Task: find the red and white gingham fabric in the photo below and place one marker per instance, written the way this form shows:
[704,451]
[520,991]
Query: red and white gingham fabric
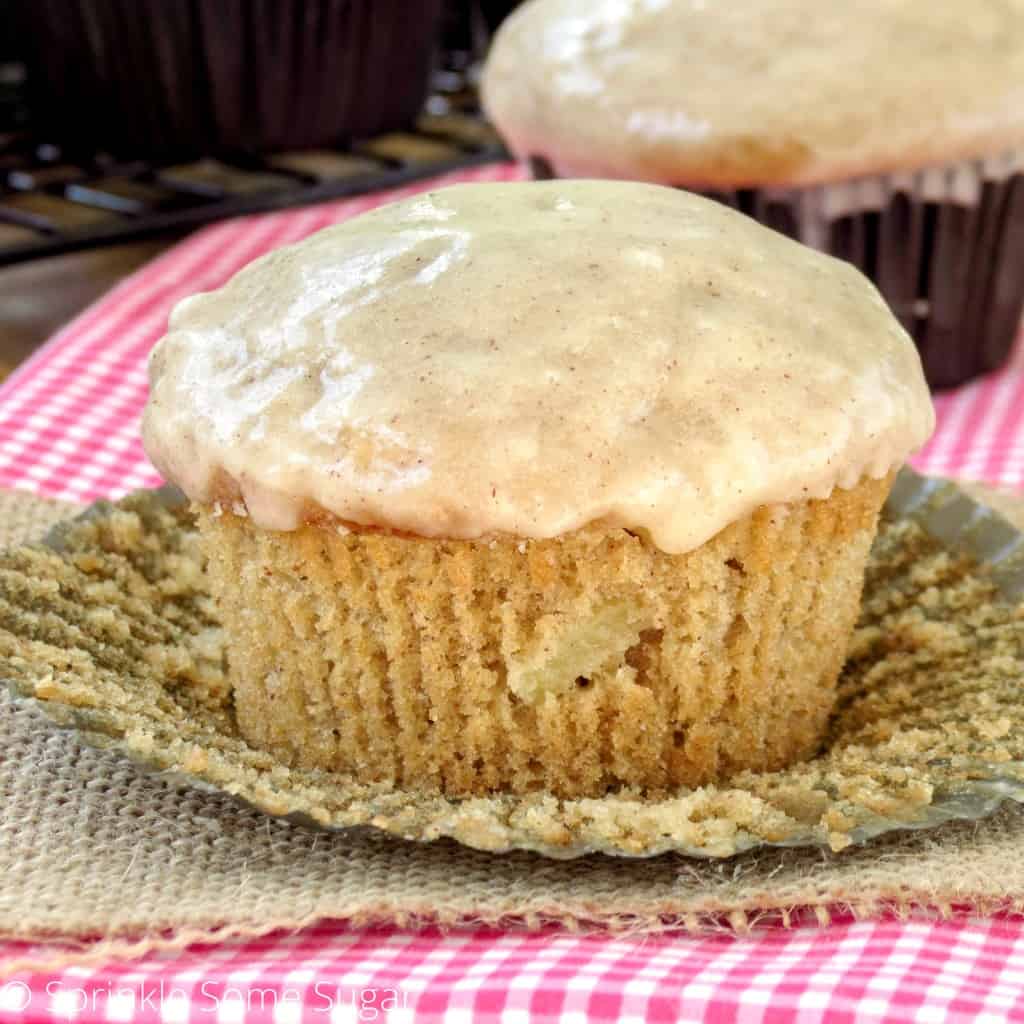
[69,428]
[849,973]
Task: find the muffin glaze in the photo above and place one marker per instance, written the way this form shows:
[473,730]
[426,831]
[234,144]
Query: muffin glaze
[528,359]
[714,94]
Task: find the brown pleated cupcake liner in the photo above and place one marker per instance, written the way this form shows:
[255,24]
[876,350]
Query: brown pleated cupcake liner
[174,78]
[944,247]
[109,627]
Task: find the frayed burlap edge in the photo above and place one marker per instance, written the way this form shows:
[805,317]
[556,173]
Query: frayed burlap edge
[128,867]
[61,953]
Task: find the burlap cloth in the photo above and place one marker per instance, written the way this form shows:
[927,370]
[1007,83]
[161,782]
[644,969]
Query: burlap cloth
[107,861]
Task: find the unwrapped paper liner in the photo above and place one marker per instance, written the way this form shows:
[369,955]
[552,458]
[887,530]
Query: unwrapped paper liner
[109,630]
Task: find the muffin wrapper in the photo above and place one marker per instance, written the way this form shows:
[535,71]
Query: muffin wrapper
[469,25]
[140,673]
[943,246]
[171,78]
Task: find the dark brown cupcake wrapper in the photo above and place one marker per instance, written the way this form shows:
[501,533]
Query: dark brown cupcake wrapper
[469,25]
[174,78]
[946,257]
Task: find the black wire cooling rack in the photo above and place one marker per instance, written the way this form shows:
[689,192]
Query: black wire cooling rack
[54,202]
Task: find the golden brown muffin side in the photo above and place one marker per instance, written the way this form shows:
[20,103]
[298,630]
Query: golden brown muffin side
[573,665]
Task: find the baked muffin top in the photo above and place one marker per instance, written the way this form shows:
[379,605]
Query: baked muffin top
[528,359]
[732,93]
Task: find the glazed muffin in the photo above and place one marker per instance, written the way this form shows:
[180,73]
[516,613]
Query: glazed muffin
[559,486]
[890,134]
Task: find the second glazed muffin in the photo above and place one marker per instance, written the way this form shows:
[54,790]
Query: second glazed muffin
[887,132]
[561,487]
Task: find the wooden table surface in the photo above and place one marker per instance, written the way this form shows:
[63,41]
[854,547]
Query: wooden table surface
[38,297]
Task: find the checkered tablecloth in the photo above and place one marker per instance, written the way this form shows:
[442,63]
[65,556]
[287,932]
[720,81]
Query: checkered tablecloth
[69,428]
[853,973]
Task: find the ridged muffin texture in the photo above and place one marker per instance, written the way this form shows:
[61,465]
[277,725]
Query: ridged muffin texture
[574,665]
